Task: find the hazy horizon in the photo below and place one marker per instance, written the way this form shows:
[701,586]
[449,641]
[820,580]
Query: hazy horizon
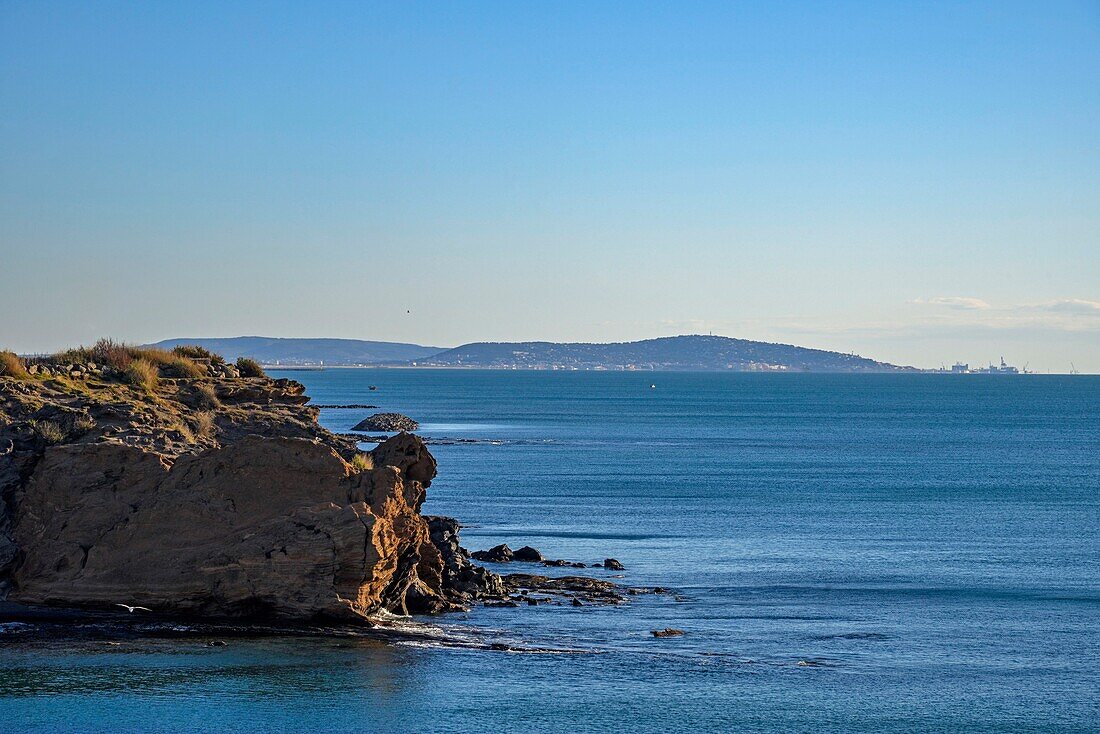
[199,338]
[914,183]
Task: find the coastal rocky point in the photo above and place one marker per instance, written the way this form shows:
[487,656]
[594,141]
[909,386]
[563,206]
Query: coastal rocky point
[193,491]
[168,481]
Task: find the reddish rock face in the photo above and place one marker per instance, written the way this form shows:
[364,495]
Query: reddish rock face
[279,525]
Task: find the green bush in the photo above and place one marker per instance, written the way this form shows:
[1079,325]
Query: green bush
[194,351]
[362,462]
[250,368]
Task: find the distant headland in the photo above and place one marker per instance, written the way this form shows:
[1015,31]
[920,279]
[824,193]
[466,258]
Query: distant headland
[689,352]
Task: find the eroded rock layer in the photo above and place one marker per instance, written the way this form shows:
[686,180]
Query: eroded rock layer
[212,497]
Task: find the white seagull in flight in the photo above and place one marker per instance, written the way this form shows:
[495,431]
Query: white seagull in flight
[131,609]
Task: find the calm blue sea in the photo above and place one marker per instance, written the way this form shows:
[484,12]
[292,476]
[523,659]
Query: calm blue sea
[866,553]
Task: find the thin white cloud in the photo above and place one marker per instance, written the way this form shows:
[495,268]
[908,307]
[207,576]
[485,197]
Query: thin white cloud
[1070,306]
[1063,314]
[963,303]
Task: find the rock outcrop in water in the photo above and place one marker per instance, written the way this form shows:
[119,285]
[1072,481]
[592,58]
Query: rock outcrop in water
[386,422]
[214,497]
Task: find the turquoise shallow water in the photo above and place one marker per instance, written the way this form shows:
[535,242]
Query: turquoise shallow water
[928,543]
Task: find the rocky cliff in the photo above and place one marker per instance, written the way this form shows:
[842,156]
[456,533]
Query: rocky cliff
[208,495]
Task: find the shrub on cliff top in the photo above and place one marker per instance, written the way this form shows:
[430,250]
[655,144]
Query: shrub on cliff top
[120,356]
[111,353]
[250,368]
[12,366]
[106,352]
[194,351]
[141,373]
[172,365]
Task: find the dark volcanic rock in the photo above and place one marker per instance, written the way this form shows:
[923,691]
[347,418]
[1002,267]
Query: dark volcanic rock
[497,554]
[562,563]
[595,591]
[355,406]
[387,422]
[612,564]
[527,553]
[473,582]
[667,632]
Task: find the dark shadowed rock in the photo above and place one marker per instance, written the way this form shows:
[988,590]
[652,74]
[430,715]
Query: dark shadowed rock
[497,554]
[528,554]
[667,632]
[593,591]
[562,563]
[386,422]
[612,564]
[459,575]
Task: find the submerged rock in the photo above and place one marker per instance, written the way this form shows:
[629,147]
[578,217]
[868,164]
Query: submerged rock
[594,591]
[667,632]
[386,422]
[562,563]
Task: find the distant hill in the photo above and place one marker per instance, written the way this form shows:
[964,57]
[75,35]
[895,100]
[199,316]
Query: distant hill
[670,353]
[270,350]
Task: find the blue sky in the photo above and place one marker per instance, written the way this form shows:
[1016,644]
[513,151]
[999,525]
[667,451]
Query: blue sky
[917,182]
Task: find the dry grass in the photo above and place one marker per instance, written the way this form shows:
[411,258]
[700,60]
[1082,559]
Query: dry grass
[111,353]
[203,424]
[202,396]
[362,462]
[120,356]
[184,430]
[50,431]
[82,424]
[12,366]
[142,373]
[172,365]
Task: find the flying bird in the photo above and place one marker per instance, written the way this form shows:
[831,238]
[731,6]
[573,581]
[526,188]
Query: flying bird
[131,609]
